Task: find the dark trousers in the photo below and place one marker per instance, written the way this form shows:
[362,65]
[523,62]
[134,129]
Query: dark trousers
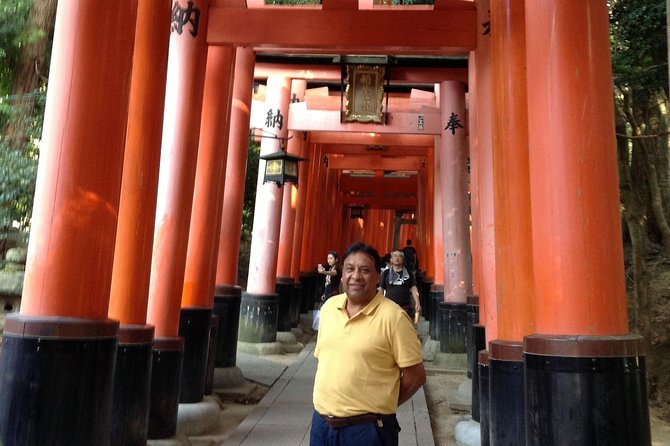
[365,434]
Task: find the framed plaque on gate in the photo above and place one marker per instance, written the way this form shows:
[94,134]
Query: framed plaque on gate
[364,93]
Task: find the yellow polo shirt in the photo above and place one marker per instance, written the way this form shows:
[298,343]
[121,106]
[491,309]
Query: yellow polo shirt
[360,358]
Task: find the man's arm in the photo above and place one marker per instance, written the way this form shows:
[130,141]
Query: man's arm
[417,301]
[411,379]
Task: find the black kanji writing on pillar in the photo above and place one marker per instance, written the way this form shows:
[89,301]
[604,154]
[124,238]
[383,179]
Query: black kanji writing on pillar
[183,16]
[487,26]
[454,124]
[272,120]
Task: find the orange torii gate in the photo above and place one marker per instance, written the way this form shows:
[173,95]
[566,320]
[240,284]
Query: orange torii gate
[547,261]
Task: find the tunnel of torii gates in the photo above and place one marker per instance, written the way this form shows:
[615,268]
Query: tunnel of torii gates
[495,155]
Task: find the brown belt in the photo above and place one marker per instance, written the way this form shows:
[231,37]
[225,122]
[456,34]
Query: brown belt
[338,422]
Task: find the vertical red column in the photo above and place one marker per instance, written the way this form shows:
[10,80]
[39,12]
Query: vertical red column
[198,293]
[482,145]
[259,307]
[69,266]
[289,298]
[236,168]
[581,314]
[202,253]
[304,180]
[134,234]
[514,262]
[475,211]
[455,208]
[436,294]
[483,213]
[227,295]
[187,60]
[318,168]
[455,218]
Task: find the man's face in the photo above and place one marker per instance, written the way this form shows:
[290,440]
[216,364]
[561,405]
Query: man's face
[360,277]
[397,259]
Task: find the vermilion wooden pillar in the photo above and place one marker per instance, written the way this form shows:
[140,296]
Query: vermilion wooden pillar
[289,300]
[481,165]
[481,144]
[428,190]
[134,234]
[436,295]
[62,338]
[203,242]
[236,168]
[514,261]
[181,126]
[585,374]
[307,259]
[305,181]
[258,314]
[455,217]
[227,293]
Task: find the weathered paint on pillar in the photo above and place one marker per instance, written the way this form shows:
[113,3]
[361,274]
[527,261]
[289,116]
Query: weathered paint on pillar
[438,243]
[513,229]
[137,207]
[577,246]
[267,213]
[475,212]
[71,249]
[181,126]
[290,199]
[236,168]
[206,214]
[482,145]
[455,204]
[426,216]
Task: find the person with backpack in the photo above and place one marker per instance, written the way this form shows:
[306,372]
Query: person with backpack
[411,258]
[399,284]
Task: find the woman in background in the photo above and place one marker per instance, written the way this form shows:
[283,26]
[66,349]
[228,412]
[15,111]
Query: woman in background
[333,273]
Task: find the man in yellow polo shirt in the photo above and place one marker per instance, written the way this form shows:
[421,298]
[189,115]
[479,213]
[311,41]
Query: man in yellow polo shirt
[369,360]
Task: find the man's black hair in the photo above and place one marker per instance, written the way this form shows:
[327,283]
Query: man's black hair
[365,249]
[409,241]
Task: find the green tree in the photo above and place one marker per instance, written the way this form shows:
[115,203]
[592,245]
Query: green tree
[25,40]
[639,60]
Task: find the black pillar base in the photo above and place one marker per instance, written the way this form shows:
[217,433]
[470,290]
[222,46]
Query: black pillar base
[479,340]
[132,381]
[436,296]
[296,299]
[484,397]
[424,297]
[308,282]
[472,318]
[211,353]
[194,327]
[258,318]
[452,326]
[506,399]
[56,381]
[284,289]
[165,385]
[227,300]
[586,390]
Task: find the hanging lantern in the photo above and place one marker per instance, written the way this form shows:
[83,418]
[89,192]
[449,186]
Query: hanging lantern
[280,168]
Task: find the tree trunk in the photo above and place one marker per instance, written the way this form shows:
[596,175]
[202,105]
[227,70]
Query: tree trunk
[634,213]
[30,74]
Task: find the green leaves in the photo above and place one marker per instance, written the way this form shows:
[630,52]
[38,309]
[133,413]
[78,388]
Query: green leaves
[639,43]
